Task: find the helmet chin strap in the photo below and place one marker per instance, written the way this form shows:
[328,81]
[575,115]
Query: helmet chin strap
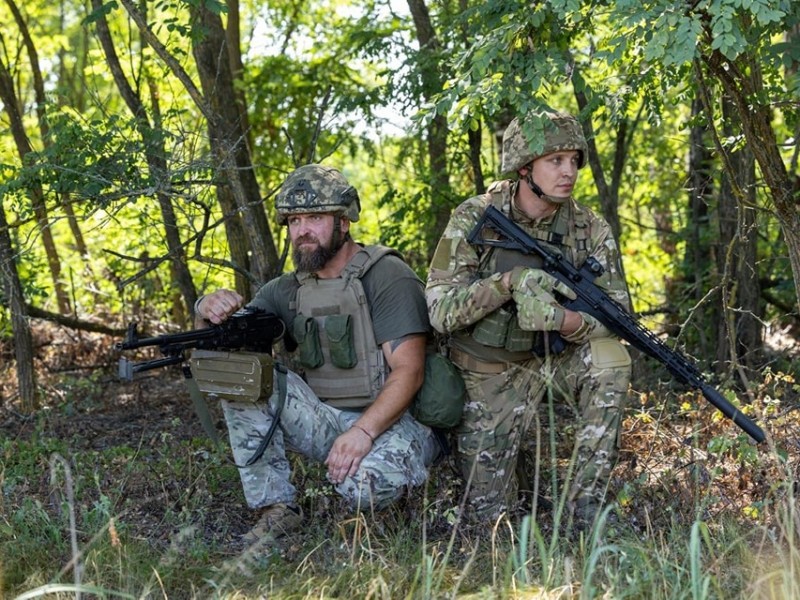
[539,192]
[338,239]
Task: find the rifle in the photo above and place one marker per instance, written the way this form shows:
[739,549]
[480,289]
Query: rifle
[594,301]
[248,328]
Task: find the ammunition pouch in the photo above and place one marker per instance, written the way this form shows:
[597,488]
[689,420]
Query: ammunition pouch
[234,376]
[309,349]
[500,329]
[339,329]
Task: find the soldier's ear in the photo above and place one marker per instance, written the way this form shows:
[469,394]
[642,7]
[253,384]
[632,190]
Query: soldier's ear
[344,224]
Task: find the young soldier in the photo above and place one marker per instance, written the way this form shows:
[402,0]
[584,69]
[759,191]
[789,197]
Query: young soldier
[359,316]
[499,312]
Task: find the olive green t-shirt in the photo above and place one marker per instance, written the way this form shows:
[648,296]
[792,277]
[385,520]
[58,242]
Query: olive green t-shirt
[395,296]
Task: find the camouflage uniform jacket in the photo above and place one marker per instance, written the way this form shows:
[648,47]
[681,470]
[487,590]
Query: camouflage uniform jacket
[464,282]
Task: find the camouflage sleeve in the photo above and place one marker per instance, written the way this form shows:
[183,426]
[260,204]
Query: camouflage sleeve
[605,250]
[456,296]
[612,282]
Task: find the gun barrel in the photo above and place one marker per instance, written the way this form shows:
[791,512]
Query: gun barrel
[733,413]
[173,338]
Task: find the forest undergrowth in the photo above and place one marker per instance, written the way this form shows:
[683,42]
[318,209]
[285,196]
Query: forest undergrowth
[113,489]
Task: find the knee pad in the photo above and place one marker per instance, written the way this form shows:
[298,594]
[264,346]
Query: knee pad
[609,353]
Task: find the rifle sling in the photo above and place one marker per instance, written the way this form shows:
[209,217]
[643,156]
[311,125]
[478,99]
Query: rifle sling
[200,406]
[280,370]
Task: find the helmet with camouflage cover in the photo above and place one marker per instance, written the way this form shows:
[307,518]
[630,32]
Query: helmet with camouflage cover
[317,189]
[562,133]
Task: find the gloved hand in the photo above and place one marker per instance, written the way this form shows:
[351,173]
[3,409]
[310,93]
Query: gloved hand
[533,292]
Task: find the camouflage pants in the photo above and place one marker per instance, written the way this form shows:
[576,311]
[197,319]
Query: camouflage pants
[593,378]
[398,459]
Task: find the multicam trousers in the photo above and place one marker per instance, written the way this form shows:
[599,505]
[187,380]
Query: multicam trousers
[593,378]
[398,460]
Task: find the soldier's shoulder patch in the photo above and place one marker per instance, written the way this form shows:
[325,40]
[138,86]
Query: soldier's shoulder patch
[444,250]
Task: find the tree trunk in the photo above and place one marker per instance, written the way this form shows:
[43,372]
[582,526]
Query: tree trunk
[228,139]
[23,344]
[234,38]
[608,194]
[154,153]
[237,242]
[739,339]
[441,197]
[35,192]
[697,259]
[218,106]
[741,81]
[44,130]
[474,139]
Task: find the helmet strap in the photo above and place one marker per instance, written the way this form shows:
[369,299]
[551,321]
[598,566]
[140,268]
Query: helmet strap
[532,184]
[540,192]
[338,239]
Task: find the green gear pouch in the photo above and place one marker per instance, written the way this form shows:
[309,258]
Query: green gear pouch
[492,330]
[339,329]
[309,351]
[235,376]
[440,401]
[518,339]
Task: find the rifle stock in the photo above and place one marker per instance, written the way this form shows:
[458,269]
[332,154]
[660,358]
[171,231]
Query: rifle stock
[593,300]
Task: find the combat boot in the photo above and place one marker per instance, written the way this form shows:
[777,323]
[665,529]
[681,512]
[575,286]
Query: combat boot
[277,521]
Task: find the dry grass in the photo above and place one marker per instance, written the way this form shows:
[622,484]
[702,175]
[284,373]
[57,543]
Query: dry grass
[697,510]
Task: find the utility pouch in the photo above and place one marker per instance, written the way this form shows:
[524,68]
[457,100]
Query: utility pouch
[492,330]
[309,351]
[339,329]
[235,376]
[518,339]
[440,401]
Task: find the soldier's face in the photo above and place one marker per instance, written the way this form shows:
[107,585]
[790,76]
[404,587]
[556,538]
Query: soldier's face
[312,237]
[556,173]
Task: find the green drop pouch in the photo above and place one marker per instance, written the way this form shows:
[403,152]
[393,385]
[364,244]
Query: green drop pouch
[309,351]
[492,330]
[518,339]
[339,329]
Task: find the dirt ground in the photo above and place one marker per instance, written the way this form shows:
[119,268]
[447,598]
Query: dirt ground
[89,414]
[665,470]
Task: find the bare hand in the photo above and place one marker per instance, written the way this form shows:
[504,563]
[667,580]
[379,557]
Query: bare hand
[219,305]
[346,454]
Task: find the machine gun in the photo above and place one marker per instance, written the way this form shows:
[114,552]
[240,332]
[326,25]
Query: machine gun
[250,329]
[594,301]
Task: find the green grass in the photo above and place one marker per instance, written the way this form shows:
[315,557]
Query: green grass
[159,515]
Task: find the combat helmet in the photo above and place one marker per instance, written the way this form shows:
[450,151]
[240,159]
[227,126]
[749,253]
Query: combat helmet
[315,188]
[562,133]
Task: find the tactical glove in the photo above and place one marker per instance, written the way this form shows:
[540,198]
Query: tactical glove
[533,292]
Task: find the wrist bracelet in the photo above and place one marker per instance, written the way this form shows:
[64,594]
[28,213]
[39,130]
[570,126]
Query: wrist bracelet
[367,433]
[197,304]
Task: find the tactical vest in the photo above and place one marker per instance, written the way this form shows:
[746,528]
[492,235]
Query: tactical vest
[498,337]
[343,364]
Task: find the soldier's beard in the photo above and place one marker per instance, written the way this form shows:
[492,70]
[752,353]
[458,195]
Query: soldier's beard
[311,261]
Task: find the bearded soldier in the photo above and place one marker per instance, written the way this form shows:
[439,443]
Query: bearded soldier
[359,317]
[500,315]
